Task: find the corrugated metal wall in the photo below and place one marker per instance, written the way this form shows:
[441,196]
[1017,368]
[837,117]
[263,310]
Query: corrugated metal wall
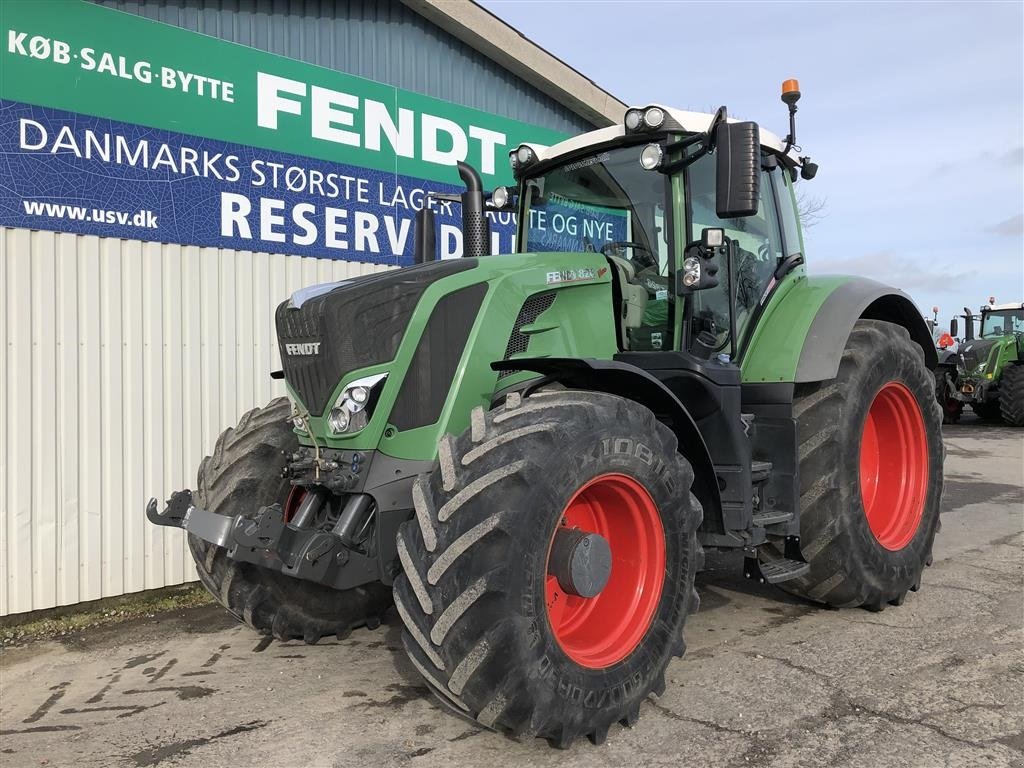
[378,39]
[122,361]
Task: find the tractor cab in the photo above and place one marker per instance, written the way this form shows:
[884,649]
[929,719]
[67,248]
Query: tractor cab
[648,196]
[696,216]
[1001,320]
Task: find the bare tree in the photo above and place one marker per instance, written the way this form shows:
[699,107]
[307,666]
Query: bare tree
[812,209]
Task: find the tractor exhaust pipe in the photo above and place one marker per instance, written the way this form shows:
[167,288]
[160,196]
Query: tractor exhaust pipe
[476,229]
[424,239]
[968,324]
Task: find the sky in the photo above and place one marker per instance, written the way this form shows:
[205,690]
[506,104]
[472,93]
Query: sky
[913,111]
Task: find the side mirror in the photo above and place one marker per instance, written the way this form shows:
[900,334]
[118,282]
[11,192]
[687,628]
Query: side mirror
[738,148]
[954,327]
[424,239]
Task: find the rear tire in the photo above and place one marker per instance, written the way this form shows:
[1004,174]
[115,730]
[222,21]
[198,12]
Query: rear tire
[481,622]
[856,561]
[1011,395]
[243,475]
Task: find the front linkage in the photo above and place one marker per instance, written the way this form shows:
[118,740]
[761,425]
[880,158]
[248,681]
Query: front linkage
[266,539]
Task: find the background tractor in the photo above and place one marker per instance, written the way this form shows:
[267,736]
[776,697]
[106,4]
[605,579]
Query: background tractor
[990,374]
[530,452]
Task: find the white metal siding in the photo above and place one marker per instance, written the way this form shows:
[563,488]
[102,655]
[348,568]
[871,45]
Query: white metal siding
[122,361]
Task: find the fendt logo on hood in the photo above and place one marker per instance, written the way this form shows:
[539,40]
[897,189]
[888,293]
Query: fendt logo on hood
[309,348]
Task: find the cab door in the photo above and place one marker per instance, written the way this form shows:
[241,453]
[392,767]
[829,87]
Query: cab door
[760,249]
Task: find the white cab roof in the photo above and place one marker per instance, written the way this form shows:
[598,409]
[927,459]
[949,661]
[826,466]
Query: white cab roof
[692,122]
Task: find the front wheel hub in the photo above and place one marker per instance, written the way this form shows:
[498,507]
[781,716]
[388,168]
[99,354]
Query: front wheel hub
[605,570]
[581,561]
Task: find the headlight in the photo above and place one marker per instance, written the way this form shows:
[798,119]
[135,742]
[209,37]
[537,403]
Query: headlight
[651,156]
[654,117]
[354,406]
[524,155]
[633,118]
[338,420]
[359,395]
[691,272]
[499,197]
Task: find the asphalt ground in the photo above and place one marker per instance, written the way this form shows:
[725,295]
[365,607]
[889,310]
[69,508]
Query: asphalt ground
[767,681]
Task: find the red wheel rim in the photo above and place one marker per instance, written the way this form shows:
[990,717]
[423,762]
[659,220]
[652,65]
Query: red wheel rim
[894,466]
[600,631]
[291,504]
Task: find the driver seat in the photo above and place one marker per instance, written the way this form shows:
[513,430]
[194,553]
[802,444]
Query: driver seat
[634,297]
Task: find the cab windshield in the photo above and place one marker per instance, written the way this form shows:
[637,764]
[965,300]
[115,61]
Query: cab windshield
[605,202]
[1002,322]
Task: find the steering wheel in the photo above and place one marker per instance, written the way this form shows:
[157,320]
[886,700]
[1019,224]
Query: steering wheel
[642,258]
[619,245]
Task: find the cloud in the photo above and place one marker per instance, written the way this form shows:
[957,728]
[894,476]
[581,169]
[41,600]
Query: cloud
[984,159]
[1011,227]
[900,271]
[1013,157]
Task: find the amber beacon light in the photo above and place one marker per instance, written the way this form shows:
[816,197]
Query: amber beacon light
[791,91]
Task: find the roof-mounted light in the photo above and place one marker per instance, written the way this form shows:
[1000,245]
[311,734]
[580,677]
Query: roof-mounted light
[654,117]
[652,156]
[640,119]
[791,92]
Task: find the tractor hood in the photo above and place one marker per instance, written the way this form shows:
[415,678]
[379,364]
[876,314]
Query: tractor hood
[325,332]
[976,353]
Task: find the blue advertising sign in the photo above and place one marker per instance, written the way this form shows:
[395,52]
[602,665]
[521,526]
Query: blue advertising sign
[96,176]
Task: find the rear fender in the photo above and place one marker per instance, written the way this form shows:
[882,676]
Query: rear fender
[632,383]
[857,299]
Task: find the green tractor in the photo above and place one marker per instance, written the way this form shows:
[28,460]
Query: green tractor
[990,375]
[528,454]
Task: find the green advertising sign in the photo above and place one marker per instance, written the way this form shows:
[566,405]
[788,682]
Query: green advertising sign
[80,57]
[118,126]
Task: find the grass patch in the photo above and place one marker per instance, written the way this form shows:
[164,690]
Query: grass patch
[67,620]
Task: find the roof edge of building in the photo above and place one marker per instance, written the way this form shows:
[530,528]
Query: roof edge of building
[477,27]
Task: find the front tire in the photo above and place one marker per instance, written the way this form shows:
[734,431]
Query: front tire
[1011,395]
[952,408]
[871,454]
[243,475]
[495,637]
[989,411]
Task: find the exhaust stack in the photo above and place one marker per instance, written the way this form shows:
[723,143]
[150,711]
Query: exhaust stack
[476,229]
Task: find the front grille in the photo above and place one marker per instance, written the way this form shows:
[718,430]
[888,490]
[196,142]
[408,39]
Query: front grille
[519,342]
[437,355]
[975,352]
[971,360]
[358,324]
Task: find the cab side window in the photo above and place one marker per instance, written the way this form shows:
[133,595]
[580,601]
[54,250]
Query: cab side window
[784,197]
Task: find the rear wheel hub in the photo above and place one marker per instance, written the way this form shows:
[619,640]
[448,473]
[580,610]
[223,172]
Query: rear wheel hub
[894,466]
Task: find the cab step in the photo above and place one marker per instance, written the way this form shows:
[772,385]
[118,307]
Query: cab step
[771,517]
[774,572]
[760,471]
